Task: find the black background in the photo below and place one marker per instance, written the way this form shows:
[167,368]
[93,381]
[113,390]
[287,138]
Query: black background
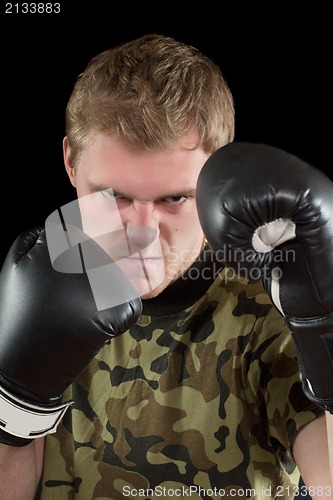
[277,64]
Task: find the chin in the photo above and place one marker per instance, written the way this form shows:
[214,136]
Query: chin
[166,282]
[162,286]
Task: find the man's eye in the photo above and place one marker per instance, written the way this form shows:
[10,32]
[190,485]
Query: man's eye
[110,194]
[175,200]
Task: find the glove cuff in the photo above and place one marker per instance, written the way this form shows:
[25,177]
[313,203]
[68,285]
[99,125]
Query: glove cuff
[314,340]
[25,420]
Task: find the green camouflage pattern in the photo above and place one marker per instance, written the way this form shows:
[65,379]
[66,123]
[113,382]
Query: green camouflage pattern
[201,403]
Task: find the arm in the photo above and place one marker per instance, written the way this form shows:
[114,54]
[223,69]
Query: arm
[270,217]
[50,329]
[20,470]
[311,449]
[329,427]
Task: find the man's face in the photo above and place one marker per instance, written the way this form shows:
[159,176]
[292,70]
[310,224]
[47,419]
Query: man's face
[142,210]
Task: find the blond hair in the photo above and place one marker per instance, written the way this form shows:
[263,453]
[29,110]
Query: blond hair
[151,92]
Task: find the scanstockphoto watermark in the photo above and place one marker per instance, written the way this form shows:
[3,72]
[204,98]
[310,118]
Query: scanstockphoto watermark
[186,492]
[247,263]
[279,491]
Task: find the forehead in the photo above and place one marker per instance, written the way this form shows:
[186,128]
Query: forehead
[108,163]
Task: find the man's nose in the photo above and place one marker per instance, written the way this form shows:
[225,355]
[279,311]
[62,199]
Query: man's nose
[143,213]
[142,226]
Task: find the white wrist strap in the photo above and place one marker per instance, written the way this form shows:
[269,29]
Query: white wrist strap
[26,420]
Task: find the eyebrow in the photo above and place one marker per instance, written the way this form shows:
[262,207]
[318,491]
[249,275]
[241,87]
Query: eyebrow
[97,187]
[190,192]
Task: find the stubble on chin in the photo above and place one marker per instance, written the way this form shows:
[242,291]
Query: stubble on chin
[168,281]
[173,276]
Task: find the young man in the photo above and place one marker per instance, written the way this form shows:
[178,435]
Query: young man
[201,395]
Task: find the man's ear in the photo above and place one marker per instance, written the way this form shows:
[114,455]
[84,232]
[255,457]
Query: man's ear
[68,161]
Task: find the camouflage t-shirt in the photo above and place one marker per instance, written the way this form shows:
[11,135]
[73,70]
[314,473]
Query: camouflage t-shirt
[200,399]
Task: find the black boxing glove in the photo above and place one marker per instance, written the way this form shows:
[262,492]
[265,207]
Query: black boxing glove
[50,329]
[269,216]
